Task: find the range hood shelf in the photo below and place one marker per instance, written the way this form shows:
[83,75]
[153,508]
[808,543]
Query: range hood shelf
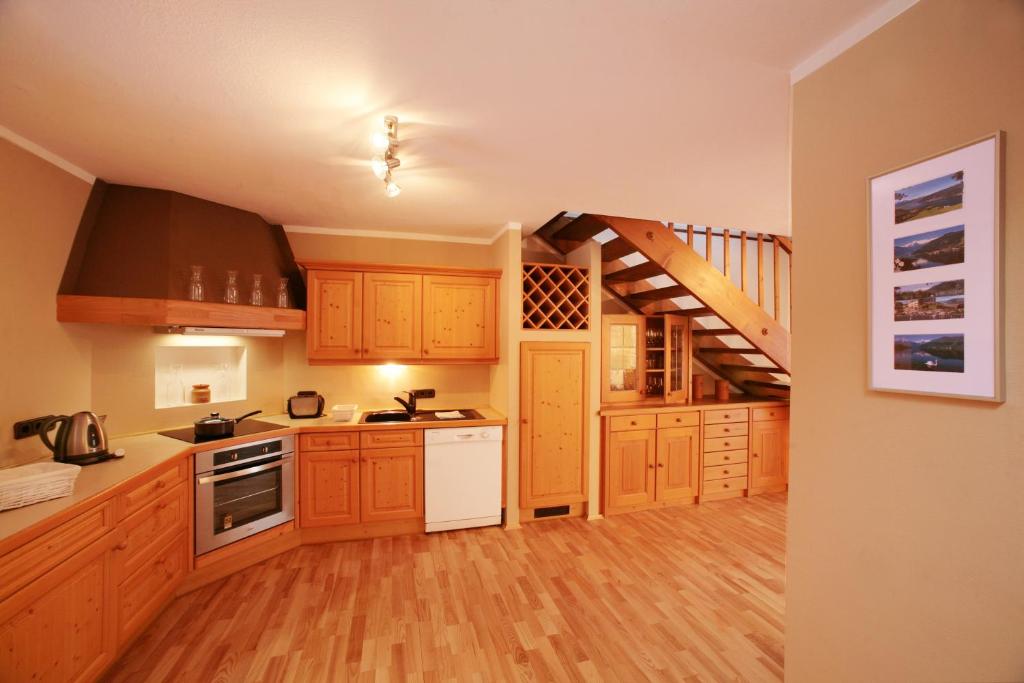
[72,308]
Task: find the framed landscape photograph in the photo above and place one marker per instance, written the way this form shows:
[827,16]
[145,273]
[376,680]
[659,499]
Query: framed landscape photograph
[935,304]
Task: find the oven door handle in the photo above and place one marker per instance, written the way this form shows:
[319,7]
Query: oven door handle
[241,473]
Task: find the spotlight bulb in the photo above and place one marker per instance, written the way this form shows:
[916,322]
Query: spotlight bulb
[380,141]
[391,189]
[380,167]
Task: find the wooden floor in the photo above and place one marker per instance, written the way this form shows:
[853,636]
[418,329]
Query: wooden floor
[690,593]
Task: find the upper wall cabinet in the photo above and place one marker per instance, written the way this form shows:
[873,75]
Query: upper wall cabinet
[459,317]
[368,313]
[392,315]
[335,331]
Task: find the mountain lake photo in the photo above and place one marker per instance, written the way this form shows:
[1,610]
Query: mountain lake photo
[930,198]
[929,301]
[941,247]
[929,352]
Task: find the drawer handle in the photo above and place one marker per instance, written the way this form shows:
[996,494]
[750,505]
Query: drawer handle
[725,486]
[632,423]
[679,419]
[160,484]
[726,430]
[123,545]
[726,443]
[725,471]
[726,457]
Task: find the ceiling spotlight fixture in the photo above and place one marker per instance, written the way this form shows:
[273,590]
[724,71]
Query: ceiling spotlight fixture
[386,142]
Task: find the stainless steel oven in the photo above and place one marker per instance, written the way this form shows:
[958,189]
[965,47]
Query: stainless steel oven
[242,490]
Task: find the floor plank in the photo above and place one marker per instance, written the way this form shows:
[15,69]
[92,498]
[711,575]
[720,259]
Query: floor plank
[686,593]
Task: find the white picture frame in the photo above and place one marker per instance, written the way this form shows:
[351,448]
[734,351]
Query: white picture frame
[935,280]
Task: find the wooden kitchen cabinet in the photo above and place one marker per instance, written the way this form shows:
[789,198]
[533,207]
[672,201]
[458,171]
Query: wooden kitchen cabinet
[554,393]
[329,488]
[142,595]
[630,468]
[622,358]
[334,319]
[392,316]
[62,627]
[460,317]
[363,312]
[769,456]
[391,483]
[678,464]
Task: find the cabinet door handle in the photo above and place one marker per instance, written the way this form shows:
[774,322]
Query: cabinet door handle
[661,464]
[755,455]
[650,467]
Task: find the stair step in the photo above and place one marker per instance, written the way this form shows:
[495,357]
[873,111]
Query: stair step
[767,385]
[660,294]
[695,312]
[635,273]
[615,249]
[579,229]
[723,332]
[751,368]
[719,352]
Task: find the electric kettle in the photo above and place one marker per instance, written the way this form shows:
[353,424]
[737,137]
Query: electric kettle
[80,438]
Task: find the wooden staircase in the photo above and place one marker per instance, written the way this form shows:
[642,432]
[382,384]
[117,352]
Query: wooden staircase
[653,268]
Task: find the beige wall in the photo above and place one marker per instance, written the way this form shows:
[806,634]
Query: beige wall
[906,521]
[44,367]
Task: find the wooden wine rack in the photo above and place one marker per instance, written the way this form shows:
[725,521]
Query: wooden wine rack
[555,297]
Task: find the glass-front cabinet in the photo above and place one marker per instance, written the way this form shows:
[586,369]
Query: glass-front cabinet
[645,357]
[621,362]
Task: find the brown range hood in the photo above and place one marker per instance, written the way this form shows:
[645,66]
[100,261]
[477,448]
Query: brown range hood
[132,256]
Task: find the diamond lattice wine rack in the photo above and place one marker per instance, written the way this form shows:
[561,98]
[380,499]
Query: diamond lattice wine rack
[555,297]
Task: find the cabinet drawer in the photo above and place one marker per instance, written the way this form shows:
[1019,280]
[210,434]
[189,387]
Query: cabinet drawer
[727,429]
[623,423]
[713,417]
[724,485]
[687,419]
[130,502]
[151,527]
[391,438]
[777,413]
[726,443]
[40,555]
[143,593]
[725,471]
[329,441]
[724,458]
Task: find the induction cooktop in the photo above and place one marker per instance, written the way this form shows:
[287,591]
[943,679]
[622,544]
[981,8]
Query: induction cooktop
[243,428]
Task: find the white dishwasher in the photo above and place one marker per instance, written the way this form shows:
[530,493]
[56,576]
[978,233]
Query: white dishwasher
[462,477]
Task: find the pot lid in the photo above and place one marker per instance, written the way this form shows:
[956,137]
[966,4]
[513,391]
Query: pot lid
[213,418]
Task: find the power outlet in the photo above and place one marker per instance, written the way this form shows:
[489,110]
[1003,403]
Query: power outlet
[31,427]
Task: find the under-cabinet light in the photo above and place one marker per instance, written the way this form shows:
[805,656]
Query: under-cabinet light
[220,331]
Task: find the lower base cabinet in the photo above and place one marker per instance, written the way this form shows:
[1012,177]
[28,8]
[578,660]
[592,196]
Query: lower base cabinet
[360,478]
[630,468]
[678,470]
[143,594]
[329,488]
[62,627]
[769,455]
[392,483]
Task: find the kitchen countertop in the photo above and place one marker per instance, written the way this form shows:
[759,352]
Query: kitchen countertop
[642,407]
[143,452]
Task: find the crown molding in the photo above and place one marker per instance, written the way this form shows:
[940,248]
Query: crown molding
[46,155]
[850,37]
[415,236]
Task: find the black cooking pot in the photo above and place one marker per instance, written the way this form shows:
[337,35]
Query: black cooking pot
[214,425]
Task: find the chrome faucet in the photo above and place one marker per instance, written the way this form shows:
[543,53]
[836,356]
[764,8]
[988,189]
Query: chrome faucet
[410,405]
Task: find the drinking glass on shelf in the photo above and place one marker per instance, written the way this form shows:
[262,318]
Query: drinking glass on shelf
[196,288]
[282,293]
[256,295]
[231,288]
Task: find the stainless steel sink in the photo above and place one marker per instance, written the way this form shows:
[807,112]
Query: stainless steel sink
[384,416]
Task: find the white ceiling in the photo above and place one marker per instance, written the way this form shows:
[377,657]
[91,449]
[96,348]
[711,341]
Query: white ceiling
[509,110]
